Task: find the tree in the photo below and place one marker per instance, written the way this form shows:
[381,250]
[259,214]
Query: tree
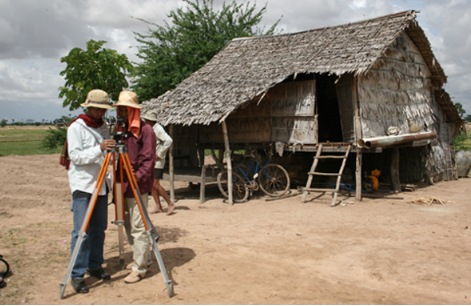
[171,53]
[460,109]
[94,68]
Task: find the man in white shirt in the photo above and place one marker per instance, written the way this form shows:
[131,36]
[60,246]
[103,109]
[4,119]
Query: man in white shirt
[87,142]
[164,141]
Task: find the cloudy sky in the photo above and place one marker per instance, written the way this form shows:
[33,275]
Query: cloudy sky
[35,34]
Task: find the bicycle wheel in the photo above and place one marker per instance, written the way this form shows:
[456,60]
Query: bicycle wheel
[240,192]
[274,180]
[4,269]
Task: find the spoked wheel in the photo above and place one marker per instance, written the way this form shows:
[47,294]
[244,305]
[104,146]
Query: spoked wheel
[4,269]
[274,180]
[240,192]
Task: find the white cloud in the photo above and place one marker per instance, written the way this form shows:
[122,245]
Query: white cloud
[36,34]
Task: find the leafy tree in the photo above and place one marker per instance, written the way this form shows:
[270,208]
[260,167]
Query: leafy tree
[170,53]
[3,122]
[94,68]
[460,109]
[468,118]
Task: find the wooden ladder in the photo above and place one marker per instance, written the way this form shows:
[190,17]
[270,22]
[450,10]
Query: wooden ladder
[313,172]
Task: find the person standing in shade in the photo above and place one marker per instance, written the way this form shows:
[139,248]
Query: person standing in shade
[164,141]
[83,156]
[141,141]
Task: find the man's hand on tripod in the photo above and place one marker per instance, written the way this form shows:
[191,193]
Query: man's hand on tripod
[107,144]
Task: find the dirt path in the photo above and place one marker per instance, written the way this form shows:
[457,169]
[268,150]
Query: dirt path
[377,251]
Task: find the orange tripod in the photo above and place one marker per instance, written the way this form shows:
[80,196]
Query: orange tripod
[119,157]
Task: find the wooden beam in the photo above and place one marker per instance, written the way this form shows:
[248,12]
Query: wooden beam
[395,181]
[359,162]
[229,163]
[170,165]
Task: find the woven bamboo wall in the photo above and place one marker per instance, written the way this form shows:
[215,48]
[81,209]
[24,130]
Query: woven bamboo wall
[250,123]
[394,90]
[184,146]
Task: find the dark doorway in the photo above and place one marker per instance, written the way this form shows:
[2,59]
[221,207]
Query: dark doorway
[330,128]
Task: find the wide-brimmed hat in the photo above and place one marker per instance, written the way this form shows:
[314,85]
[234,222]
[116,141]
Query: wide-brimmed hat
[97,98]
[151,116]
[127,98]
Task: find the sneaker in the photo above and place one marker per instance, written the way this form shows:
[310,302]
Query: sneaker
[99,273]
[134,277]
[79,285]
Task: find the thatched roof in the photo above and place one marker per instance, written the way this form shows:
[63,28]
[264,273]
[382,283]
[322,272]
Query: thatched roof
[449,109]
[248,67]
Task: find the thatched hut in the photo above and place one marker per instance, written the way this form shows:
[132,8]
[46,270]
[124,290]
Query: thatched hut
[361,84]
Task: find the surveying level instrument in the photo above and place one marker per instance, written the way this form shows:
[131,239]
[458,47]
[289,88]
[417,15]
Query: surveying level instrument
[118,155]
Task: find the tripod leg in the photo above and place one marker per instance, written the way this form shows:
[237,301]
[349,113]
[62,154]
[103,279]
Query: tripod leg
[121,246]
[160,261]
[81,235]
[150,229]
[83,229]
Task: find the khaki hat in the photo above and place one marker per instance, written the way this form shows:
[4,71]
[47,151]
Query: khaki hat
[97,98]
[151,116]
[127,98]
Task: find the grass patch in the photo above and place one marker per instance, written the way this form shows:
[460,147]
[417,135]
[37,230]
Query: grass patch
[24,141]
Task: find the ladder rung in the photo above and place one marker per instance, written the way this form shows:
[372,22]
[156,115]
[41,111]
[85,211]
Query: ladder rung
[330,156]
[320,189]
[323,173]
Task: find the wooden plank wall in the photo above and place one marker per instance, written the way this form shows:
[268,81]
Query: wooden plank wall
[285,114]
[292,111]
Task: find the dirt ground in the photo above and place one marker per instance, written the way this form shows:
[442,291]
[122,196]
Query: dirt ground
[375,251]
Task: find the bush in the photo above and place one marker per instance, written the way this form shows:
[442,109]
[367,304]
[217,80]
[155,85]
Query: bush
[3,123]
[461,142]
[55,138]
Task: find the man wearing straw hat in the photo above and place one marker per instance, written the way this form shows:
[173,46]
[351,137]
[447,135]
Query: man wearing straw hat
[164,141]
[83,155]
[141,142]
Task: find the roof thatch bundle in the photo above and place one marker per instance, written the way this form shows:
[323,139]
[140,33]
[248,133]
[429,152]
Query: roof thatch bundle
[248,67]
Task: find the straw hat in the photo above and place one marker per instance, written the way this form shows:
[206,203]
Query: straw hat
[97,98]
[151,116]
[127,98]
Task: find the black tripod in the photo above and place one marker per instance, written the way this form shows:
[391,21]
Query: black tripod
[120,157]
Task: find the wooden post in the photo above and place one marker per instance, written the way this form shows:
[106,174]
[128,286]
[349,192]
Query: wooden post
[170,165]
[229,163]
[358,135]
[395,181]
[358,194]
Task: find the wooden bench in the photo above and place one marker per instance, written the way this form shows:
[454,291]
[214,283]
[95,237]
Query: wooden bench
[201,175]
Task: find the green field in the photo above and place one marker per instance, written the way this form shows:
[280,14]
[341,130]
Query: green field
[27,140]
[24,141]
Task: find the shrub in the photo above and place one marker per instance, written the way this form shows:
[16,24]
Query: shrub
[55,138]
[461,142]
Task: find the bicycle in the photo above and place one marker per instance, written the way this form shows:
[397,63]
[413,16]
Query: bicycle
[253,174]
[4,269]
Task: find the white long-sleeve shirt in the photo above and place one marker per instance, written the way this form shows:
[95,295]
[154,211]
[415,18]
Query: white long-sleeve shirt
[164,141]
[86,157]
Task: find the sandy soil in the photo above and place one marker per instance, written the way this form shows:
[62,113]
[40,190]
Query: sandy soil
[375,251]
